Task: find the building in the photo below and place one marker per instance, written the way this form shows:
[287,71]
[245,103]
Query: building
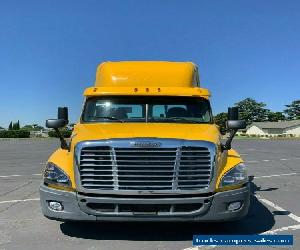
[269,129]
[43,133]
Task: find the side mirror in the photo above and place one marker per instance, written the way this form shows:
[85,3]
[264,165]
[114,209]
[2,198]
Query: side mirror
[61,121]
[55,123]
[233,113]
[63,113]
[236,124]
[233,124]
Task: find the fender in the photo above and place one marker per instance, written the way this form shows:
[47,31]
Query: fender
[64,160]
[228,160]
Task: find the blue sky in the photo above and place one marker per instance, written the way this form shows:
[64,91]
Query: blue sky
[49,50]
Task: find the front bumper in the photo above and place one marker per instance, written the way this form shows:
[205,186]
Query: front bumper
[211,208]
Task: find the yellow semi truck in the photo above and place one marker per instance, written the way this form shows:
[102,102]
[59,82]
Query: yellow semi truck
[145,149]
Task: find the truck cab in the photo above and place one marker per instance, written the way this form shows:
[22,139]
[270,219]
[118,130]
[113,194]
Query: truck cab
[145,149]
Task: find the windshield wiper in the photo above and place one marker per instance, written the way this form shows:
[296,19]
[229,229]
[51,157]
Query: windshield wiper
[176,119]
[182,119]
[108,118]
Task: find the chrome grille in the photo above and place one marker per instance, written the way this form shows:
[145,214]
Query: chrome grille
[116,168]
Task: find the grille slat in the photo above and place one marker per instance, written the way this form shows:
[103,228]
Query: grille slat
[140,171]
[183,168]
[143,176]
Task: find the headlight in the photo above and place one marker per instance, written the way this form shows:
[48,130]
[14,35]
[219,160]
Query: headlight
[235,176]
[54,175]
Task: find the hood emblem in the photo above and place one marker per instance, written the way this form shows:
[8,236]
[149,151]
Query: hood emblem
[145,144]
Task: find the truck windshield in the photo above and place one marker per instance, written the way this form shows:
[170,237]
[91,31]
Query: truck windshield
[168,109]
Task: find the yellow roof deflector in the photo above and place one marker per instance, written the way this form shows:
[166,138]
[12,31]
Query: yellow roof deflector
[147,78]
[147,73]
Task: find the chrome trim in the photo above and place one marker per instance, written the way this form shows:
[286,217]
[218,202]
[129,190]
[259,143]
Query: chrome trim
[165,143]
[176,168]
[114,168]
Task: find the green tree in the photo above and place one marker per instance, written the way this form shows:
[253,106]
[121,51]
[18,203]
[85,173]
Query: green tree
[65,133]
[33,127]
[220,119]
[293,110]
[38,128]
[16,126]
[10,126]
[27,128]
[252,111]
[276,116]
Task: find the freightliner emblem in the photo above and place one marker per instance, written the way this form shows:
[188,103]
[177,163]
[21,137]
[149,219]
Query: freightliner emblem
[145,144]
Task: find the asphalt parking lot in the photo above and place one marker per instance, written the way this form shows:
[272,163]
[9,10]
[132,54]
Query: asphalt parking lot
[273,166]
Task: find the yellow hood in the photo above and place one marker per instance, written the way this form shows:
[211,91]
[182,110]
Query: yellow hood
[100,131]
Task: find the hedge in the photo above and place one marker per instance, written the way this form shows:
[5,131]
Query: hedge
[14,134]
[65,133]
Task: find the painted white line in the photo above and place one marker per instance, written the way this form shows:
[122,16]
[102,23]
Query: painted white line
[7,176]
[282,229]
[14,201]
[275,231]
[274,175]
[198,247]
[266,160]
[278,208]
[17,175]
[283,159]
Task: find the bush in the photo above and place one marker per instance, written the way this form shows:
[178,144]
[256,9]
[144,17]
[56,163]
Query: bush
[65,133]
[14,134]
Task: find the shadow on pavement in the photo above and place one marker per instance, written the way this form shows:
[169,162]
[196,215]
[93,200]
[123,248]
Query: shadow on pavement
[258,220]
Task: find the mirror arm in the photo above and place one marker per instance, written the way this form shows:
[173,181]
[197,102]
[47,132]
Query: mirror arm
[63,143]
[227,144]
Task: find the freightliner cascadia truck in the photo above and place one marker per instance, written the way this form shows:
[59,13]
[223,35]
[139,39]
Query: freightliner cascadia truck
[145,149]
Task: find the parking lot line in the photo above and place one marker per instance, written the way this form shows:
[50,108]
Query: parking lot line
[198,247]
[274,175]
[278,208]
[14,201]
[275,231]
[282,229]
[17,175]
[7,176]
[268,160]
